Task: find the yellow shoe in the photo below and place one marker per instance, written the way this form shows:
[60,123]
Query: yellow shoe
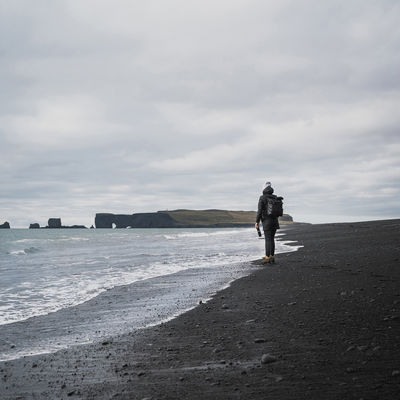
[265,260]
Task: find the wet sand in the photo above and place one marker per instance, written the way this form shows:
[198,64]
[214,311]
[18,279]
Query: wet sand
[321,323]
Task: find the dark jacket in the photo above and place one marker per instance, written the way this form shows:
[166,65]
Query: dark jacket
[268,222]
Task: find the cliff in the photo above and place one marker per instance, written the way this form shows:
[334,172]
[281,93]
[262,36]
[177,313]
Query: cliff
[54,223]
[142,220]
[181,219]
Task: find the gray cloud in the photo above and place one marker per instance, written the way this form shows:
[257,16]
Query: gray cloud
[130,106]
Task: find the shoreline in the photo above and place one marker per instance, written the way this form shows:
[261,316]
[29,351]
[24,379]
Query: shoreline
[327,313]
[118,310]
[141,304]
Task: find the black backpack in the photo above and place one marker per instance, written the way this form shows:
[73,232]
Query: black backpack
[274,207]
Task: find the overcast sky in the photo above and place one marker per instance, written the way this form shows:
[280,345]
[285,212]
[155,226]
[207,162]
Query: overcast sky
[131,106]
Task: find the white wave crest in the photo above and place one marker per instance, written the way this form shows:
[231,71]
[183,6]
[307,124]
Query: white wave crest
[24,252]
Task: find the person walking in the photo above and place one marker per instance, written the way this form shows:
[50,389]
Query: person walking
[269,219]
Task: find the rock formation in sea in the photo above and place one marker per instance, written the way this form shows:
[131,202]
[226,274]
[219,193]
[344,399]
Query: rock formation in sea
[54,223]
[6,225]
[181,219]
[35,225]
[142,220]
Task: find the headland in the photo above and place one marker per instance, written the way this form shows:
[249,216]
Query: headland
[182,219]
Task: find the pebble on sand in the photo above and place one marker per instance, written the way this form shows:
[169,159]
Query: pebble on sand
[268,359]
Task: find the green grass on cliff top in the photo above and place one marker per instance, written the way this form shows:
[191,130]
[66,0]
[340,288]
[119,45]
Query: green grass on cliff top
[212,217]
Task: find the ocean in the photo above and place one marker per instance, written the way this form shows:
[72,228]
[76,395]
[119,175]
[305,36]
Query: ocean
[65,287]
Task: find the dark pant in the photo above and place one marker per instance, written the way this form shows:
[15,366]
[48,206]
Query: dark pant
[269,235]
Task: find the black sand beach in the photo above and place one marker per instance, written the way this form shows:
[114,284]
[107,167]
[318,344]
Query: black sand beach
[321,323]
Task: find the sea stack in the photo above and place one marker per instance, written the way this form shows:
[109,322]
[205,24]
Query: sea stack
[6,225]
[34,226]
[54,223]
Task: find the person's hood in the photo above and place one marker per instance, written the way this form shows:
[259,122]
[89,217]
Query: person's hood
[268,190]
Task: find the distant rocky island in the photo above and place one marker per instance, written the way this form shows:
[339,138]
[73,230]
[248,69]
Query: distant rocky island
[182,219]
[55,223]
